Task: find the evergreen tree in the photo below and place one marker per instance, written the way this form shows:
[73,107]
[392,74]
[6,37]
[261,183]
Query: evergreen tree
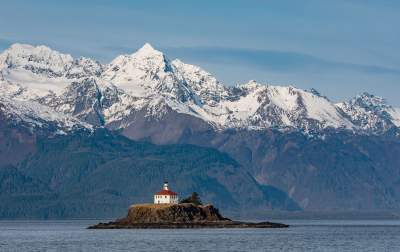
[194,199]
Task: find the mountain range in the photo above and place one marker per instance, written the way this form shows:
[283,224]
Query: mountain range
[292,148]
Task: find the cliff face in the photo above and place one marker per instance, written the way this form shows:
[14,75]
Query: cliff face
[169,213]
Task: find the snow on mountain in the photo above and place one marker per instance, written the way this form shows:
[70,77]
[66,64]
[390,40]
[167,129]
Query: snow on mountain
[85,99]
[264,106]
[40,59]
[202,83]
[32,75]
[148,81]
[145,73]
[371,113]
[17,108]
[35,115]
[34,68]
[395,114]
[149,73]
[83,68]
[42,71]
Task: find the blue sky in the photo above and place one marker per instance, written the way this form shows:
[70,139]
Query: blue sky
[341,47]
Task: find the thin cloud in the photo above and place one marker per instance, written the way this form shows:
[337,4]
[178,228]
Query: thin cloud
[277,61]
[282,61]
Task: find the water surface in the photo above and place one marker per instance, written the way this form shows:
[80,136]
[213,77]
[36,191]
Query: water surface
[303,235]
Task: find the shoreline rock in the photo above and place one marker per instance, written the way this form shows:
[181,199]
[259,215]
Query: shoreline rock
[174,216]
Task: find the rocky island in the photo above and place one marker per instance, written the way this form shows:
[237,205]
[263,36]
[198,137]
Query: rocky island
[183,215]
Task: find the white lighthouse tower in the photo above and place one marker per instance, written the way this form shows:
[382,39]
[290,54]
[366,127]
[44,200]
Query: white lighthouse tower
[166,196]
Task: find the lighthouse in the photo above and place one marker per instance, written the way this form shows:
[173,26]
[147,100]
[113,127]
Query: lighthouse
[166,196]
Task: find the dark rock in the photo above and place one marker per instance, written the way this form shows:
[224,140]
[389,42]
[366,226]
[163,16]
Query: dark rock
[185,215]
[165,213]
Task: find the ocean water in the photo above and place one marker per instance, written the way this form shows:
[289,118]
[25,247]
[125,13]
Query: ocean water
[303,235]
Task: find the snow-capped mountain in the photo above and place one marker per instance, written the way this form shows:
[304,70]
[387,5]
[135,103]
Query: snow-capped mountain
[321,154]
[85,99]
[371,113]
[145,73]
[33,115]
[148,83]
[40,71]
[263,106]
[29,76]
[202,83]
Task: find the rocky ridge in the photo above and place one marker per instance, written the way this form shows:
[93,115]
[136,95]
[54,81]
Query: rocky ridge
[147,82]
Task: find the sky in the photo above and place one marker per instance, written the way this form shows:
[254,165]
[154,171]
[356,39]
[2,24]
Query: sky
[341,48]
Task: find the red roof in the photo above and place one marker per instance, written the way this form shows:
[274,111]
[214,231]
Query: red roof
[166,192]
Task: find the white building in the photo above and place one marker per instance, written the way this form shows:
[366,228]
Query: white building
[165,196]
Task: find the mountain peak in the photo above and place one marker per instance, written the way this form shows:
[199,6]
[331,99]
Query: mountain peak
[371,113]
[147,50]
[144,71]
[370,100]
[34,57]
[366,95]
[251,84]
[147,46]
[19,49]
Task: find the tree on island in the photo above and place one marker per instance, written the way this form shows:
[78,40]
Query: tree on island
[194,199]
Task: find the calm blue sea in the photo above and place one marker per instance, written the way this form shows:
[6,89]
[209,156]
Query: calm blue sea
[304,235]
